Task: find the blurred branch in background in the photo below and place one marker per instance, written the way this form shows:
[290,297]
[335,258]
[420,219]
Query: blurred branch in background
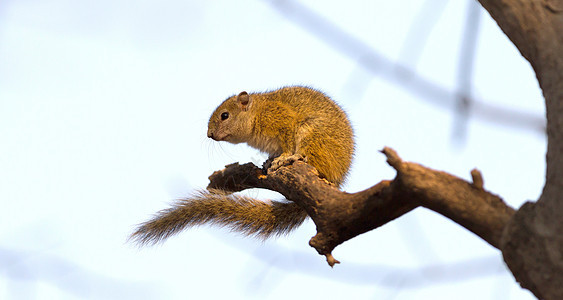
[400,74]
[33,268]
[420,30]
[413,45]
[465,69]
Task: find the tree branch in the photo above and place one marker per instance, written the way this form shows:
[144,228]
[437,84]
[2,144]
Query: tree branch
[340,216]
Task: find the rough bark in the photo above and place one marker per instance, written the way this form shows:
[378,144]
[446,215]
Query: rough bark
[340,216]
[532,243]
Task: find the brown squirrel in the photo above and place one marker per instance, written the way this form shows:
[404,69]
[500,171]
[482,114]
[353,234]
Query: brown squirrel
[289,124]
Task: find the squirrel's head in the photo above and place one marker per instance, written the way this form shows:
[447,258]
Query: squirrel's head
[231,121]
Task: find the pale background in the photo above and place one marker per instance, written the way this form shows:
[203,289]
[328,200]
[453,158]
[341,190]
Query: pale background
[103,115]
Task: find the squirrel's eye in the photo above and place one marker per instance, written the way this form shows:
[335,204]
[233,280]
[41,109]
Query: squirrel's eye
[224,116]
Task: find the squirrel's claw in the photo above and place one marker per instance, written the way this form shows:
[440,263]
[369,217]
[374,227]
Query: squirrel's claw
[284,160]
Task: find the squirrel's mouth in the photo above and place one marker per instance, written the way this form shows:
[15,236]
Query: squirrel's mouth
[220,138]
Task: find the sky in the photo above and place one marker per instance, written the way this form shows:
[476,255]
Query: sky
[103,117]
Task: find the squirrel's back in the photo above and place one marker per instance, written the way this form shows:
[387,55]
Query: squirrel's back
[323,134]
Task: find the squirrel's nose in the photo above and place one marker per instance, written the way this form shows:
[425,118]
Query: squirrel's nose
[210,134]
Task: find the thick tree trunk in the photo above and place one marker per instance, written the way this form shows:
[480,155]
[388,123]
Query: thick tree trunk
[532,243]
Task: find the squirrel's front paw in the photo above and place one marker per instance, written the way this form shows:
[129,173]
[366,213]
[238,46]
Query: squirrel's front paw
[284,160]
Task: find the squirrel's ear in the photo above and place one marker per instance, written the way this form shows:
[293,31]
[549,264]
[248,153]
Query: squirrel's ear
[243,100]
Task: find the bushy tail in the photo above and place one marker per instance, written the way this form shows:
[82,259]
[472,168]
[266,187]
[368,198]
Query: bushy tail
[239,213]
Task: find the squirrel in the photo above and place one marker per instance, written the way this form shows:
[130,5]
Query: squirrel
[291,123]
